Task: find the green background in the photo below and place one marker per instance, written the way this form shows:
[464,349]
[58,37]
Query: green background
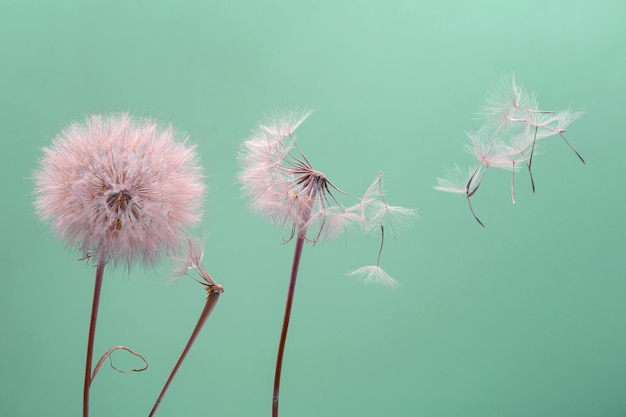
[522,318]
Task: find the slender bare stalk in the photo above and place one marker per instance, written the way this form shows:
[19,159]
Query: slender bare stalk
[530,160]
[572,148]
[92,334]
[474,213]
[513,183]
[214,294]
[283,335]
[469,193]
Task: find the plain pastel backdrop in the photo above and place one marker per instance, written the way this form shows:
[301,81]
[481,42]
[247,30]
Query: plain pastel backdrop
[522,318]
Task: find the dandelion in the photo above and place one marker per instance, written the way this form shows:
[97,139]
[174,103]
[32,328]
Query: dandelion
[190,264]
[284,186]
[467,184]
[286,189]
[375,211]
[512,125]
[121,191]
[374,273]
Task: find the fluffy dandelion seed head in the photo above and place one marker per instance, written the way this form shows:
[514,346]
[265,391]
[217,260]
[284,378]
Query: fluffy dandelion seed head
[283,185]
[120,190]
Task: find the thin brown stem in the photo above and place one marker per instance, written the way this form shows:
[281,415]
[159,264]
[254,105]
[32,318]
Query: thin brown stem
[92,335]
[382,242]
[283,335]
[214,294]
[108,356]
[469,193]
[473,213]
[530,160]
[572,148]
[513,183]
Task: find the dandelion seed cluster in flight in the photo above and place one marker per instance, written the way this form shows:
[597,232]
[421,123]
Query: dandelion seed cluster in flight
[513,125]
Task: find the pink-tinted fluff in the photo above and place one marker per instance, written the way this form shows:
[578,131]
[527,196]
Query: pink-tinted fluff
[286,189]
[120,189]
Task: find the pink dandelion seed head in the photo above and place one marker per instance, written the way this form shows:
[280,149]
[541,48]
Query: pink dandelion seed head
[286,188]
[120,189]
[283,184]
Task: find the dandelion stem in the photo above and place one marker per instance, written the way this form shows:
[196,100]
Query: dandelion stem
[530,160]
[469,193]
[283,335]
[572,148]
[540,111]
[473,213]
[211,301]
[513,183]
[92,334]
[382,242]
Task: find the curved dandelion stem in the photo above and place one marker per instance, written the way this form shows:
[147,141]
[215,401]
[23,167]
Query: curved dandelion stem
[469,193]
[382,242]
[108,355]
[530,160]
[211,301]
[473,213]
[92,335]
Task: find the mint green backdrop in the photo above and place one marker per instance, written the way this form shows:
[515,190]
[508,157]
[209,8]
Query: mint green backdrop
[522,318]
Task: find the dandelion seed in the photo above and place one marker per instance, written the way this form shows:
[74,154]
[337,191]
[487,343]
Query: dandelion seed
[487,150]
[374,273]
[509,106]
[467,184]
[375,210]
[553,123]
[457,180]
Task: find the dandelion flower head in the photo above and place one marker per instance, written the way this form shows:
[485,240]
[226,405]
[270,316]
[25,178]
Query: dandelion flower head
[288,191]
[120,189]
[284,186]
